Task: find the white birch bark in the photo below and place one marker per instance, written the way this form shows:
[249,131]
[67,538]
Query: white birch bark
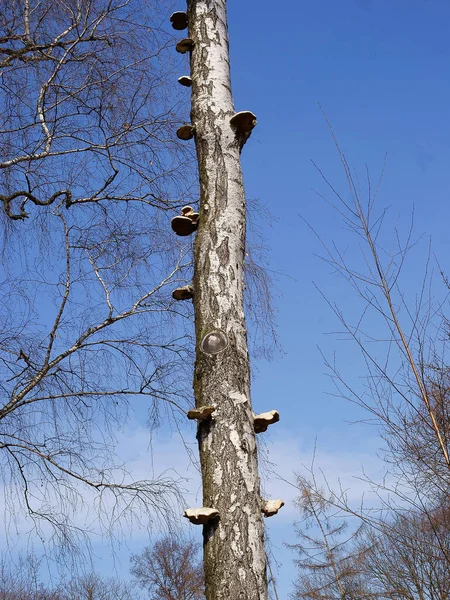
[234,554]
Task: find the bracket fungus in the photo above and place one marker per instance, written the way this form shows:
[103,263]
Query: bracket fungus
[185,45]
[187,211]
[214,342]
[183,293]
[271,507]
[185,80]
[179,20]
[261,422]
[243,121]
[201,516]
[185,224]
[202,414]
[185,132]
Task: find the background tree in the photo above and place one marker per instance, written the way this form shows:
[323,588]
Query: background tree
[409,558]
[404,549]
[329,559]
[403,556]
[87,108]
[170,570]
[94,587]
[406,374]
[20,580]
[90,171]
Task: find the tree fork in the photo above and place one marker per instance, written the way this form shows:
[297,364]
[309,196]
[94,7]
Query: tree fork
[234,553]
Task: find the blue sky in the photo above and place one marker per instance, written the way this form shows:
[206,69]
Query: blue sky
[380,69]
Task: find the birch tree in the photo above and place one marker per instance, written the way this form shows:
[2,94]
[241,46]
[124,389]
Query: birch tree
[234,554]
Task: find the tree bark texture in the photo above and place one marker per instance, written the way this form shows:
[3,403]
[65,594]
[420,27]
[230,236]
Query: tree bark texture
[234,553]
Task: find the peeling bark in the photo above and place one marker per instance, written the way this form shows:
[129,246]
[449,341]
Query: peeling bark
[234,554]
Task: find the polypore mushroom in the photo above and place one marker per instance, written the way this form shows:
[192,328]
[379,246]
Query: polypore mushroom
[185,45]
[243,121]
[200,516]
[271,507]
[186,223]
[186,132]
[183,293]
[261,422]
[188,211]
[179,20]
[185,80]
[202,414]
[183,225]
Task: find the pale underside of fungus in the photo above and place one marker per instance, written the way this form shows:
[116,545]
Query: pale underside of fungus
[201,516]
[202,413]
[271,507]
[261,422]
[185,80]
[243,121]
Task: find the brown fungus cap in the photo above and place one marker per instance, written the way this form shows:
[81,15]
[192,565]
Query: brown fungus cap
[185,45]
[185,132]
[179,20]
[183,226]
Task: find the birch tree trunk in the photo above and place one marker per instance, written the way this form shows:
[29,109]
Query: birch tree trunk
[234,554]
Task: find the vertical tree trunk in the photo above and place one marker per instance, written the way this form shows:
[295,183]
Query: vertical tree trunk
[234,554]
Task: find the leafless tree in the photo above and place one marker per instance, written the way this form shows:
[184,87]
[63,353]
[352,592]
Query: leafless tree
[408,559]
[404,347]
[90,174]
[401,344]
[405,556]
[414,449]
[20,580]
[94,587]
[329,559]
[88,111]
[170,570]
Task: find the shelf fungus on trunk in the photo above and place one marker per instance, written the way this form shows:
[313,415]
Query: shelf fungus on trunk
[185,45]
[202,414]
[185,224]
[261,422]
[185,80]
[271,507]
[185,132]
[201,516]
[243,122]
[183,293]
[179,20]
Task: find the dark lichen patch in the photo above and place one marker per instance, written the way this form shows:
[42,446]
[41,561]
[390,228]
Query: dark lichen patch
[223,252]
